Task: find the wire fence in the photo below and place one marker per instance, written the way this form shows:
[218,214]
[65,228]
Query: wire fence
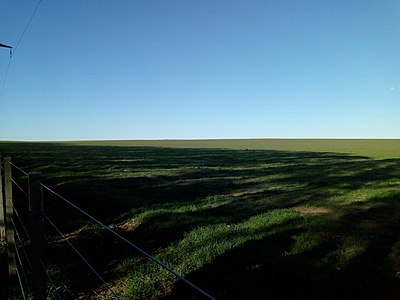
[23,261]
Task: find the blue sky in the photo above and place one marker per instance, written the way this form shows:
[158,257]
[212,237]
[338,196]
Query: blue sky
[98,69]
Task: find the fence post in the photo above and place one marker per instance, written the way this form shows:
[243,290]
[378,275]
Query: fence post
[12,268]
[37,235]
[2,207]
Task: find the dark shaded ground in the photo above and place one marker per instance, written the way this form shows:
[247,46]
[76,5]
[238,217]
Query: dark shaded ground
[3,276]
[257,270]
[113,183]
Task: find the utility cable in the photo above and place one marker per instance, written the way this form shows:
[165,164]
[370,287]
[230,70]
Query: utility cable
[131,244]
[27,25]
[81,256]
[15,48]
[5,76]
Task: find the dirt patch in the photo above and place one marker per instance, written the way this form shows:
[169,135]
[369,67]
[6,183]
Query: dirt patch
[127,225]
[312,210]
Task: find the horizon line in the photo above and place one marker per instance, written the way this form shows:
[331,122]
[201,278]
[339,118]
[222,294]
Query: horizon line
[202,139]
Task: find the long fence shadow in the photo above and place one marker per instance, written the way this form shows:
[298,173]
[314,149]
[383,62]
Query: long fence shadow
[174,191]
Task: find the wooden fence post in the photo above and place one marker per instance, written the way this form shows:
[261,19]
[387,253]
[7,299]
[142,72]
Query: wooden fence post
[12,268]
[2,207]
[37,235]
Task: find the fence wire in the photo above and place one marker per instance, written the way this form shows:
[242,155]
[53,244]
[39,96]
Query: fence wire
[21,243]
[50,279]
[19,261]
[152,258]
[19,169]
[20,188]
[19,281]
[21,265]
[22,223]
[144,253]
[81,257]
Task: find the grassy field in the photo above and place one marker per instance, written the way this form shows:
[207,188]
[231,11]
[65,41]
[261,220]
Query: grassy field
[308,219]
[374,148]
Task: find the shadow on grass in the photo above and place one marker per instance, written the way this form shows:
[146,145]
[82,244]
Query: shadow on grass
[169,192]
[257,270]
[268,268]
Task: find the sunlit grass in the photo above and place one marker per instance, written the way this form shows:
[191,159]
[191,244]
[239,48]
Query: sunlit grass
[375,148]
[199,247]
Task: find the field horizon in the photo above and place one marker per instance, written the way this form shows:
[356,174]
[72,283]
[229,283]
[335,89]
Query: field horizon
[379,148]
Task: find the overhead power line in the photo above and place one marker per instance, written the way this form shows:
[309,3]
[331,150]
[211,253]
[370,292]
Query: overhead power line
[5,76]
[15,48]
[5,46]
[27,25]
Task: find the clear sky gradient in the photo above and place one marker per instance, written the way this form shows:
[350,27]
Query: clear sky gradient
[98,69]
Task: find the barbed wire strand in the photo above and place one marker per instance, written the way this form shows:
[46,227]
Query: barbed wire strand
[19,169]
[19,280]
[131,244]
[49,277]
[81,256]
[20,188]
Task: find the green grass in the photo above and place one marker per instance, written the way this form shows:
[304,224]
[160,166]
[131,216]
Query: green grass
[374,148]
[198,248]
[284,219]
